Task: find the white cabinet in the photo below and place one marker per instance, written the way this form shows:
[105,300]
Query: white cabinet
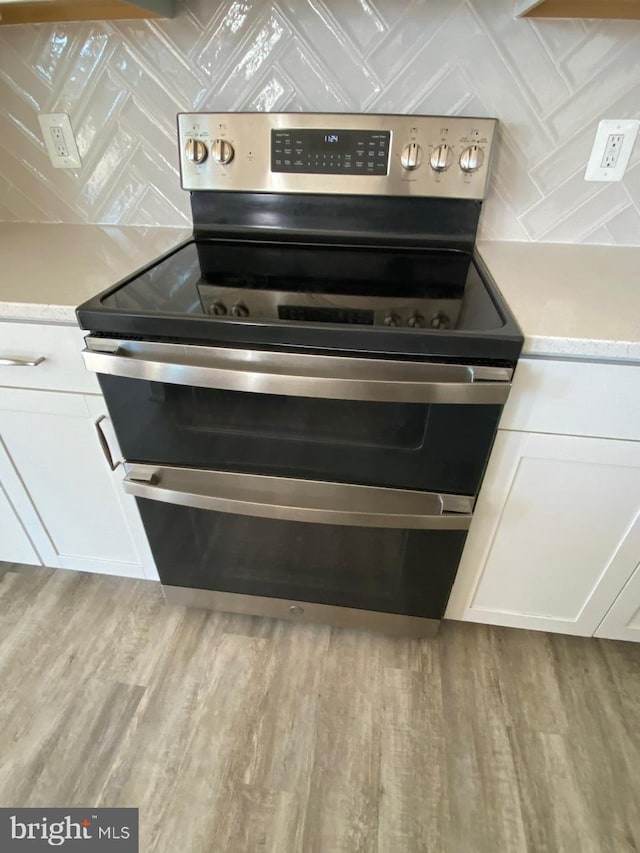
[556,529]
[622,622]
[574,398]
[15,545]
[61,504]
[555,536]
[62,484]
[34,355]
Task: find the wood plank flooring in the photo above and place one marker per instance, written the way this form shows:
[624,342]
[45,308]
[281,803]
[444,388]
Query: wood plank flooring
[236,734]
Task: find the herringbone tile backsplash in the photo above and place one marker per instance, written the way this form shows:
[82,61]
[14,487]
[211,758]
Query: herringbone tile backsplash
[549,82]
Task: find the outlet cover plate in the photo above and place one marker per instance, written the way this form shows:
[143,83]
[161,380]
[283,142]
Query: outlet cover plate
[628,128]
[59,140]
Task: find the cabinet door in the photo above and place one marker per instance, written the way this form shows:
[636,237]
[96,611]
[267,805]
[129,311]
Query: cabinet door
[69,500]
[15,546]
[555,534]
[622,622]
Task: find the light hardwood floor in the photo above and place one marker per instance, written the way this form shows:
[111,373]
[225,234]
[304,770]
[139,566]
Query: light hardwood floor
[244,735]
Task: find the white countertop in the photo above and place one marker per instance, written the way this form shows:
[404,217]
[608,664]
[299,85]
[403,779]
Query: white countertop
[571,300]
[46,271]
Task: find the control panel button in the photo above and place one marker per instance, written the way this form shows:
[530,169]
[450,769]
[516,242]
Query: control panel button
[471,158]
[218,308]
[195,150]
[441,158]
[222,151]
[440,321]
[240,310]
[411,156]
[392,319]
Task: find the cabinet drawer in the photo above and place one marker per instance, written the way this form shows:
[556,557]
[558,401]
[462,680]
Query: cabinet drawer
[575,398]
[59,347]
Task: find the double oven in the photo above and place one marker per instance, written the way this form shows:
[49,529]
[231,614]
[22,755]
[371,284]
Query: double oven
[307,391]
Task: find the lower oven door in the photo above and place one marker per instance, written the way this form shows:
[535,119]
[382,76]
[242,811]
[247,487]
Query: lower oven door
[412,425]
[294,543]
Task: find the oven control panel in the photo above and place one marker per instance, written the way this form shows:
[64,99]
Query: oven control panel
[336,153]
[305,307]
[308,151]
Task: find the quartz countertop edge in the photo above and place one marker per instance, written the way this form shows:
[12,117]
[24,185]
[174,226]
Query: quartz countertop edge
[571,300]
[47,270]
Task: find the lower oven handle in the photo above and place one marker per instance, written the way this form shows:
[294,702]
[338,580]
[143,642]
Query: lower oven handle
[289,499]
[299,375]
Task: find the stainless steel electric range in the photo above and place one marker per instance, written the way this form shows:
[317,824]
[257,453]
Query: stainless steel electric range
[307,391]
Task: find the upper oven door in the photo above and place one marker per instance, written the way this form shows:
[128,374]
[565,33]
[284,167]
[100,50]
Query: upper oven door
[411,425]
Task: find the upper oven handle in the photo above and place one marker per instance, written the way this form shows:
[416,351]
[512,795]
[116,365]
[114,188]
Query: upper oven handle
[290,499]
[298,375]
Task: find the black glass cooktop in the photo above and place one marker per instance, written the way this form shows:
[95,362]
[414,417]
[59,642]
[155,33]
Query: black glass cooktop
[172,285]
[306,294]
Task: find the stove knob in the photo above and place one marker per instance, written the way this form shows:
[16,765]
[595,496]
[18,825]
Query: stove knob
[471,159]
[240,310]
[416,321]
[218,308]
[411,156]
[392,319]
[195,150]
[440,321]
[222,151]
[440,158]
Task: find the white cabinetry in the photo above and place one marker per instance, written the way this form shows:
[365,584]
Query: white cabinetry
[53,350]
[622,622]
[52,442]
[56,459]
[16,546]
[556,532]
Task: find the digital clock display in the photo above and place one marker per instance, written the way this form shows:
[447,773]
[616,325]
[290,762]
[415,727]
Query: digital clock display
[322,140]
[328,151]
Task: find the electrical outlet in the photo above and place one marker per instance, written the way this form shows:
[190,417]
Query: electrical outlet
[59,140]
[611,150]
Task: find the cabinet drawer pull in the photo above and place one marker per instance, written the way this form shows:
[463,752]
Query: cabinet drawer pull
[104,444]
[21,362]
